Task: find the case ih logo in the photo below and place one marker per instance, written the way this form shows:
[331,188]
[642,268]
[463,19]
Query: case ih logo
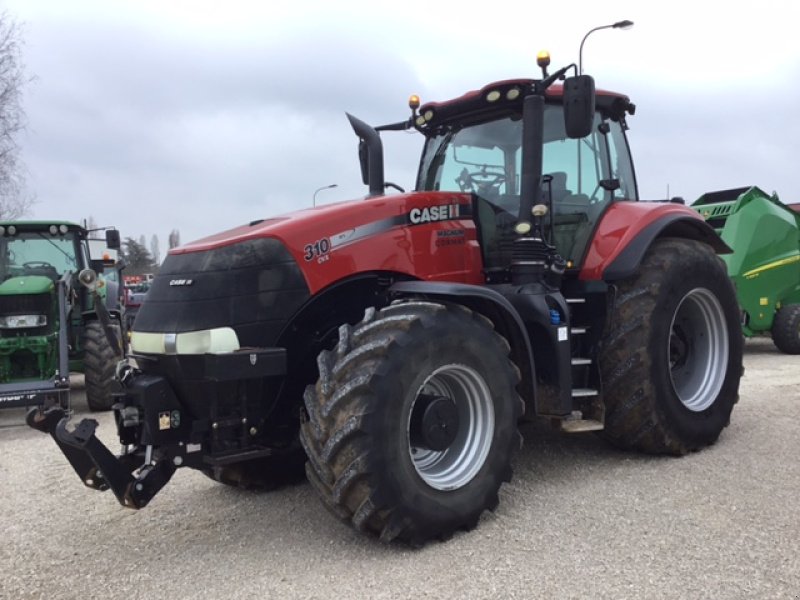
[443,212]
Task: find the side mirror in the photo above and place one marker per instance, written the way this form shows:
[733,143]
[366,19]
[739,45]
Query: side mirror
[578,106]
[112,239]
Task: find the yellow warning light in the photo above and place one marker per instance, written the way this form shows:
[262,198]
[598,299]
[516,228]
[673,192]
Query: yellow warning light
[522,227]
[413,102]
[543,59]
[570,264]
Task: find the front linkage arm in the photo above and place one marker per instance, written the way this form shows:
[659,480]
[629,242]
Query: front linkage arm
[133,484]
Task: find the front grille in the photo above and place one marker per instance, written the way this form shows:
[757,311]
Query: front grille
[25,304]
[253,287]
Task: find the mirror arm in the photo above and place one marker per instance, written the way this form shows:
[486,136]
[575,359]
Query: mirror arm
[541,86]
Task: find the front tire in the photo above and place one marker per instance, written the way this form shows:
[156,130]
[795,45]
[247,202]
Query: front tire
[99,363]
[413,422]
[786,329]
[672,355]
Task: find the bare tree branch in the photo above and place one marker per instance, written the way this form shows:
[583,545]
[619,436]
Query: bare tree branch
[15,201]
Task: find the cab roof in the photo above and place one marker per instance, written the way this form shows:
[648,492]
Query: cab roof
[508,95]
[29,225]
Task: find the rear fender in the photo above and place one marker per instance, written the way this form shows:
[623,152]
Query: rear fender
[670,225]
[493,306]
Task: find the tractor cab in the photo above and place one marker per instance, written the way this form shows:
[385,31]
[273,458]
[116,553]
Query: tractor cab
[474,144]
[39,251]
[516,144]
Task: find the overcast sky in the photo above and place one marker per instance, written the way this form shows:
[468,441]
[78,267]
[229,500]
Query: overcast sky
[199,116]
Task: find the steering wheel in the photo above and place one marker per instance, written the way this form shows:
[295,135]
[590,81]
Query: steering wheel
[32,264]
[480,182]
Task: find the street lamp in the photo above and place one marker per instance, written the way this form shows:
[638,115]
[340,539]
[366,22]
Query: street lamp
[318,190]
[618,25]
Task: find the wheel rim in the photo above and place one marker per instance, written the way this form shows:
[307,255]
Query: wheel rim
[458,464]
[698,349]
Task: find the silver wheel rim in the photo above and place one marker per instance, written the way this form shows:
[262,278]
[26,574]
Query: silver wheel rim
[458,464]
[698,349]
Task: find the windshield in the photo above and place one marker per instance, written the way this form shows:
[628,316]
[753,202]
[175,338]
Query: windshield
[34,253]
[580,177]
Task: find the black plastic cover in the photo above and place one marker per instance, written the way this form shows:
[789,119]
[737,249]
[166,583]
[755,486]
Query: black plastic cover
[253,286]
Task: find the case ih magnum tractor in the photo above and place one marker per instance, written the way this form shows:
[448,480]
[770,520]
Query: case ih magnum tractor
[394,343]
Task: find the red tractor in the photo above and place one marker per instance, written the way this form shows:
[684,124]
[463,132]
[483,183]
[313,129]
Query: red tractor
[392,344]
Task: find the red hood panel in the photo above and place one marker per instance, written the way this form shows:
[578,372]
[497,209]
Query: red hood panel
[426,235]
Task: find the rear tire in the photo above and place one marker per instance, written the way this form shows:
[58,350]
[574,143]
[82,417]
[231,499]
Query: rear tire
[99,363]
[413,422]
[671,358]
[786,329]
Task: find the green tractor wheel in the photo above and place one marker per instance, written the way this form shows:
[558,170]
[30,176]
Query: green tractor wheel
[786,329]
[100,361]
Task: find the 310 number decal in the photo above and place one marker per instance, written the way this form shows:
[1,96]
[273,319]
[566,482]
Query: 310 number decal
[318,249]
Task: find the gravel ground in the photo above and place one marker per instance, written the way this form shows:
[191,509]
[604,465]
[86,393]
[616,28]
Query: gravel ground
[579,520]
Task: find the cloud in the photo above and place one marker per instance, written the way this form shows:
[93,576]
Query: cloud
[202,115]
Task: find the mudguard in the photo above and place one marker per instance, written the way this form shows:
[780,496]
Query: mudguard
[629,228]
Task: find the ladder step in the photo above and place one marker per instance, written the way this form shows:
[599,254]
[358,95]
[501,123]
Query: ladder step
[578,330]
[580,425]
[576,300]
[583,392]
[581,361]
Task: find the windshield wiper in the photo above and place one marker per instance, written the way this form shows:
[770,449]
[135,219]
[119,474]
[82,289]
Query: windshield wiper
[71,259]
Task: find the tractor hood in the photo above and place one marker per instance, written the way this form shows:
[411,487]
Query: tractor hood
[318,237]
[306,226]
[26,284]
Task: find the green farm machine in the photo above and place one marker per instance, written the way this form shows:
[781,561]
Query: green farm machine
[56,315]
[765,265]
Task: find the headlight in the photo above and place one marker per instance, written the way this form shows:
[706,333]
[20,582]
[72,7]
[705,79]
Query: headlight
[214,341]
[20,321]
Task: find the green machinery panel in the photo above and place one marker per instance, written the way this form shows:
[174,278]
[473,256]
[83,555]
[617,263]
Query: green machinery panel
[765,237]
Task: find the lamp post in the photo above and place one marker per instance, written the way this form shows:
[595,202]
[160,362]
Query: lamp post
[618,25]
[318,190]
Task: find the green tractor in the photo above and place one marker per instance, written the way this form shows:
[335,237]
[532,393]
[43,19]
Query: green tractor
[765,265]
[56,315]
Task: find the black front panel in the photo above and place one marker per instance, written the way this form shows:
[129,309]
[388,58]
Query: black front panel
[29,304]
[25,304]
[253,287]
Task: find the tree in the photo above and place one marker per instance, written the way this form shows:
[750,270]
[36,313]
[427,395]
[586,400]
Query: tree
[154,249]
[15,201]
[137,258]
[174,239]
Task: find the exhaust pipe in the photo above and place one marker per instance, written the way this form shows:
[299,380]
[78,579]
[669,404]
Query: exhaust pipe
[370,155]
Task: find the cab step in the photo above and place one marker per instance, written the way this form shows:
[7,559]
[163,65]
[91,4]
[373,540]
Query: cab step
[575,423]
[583,392]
